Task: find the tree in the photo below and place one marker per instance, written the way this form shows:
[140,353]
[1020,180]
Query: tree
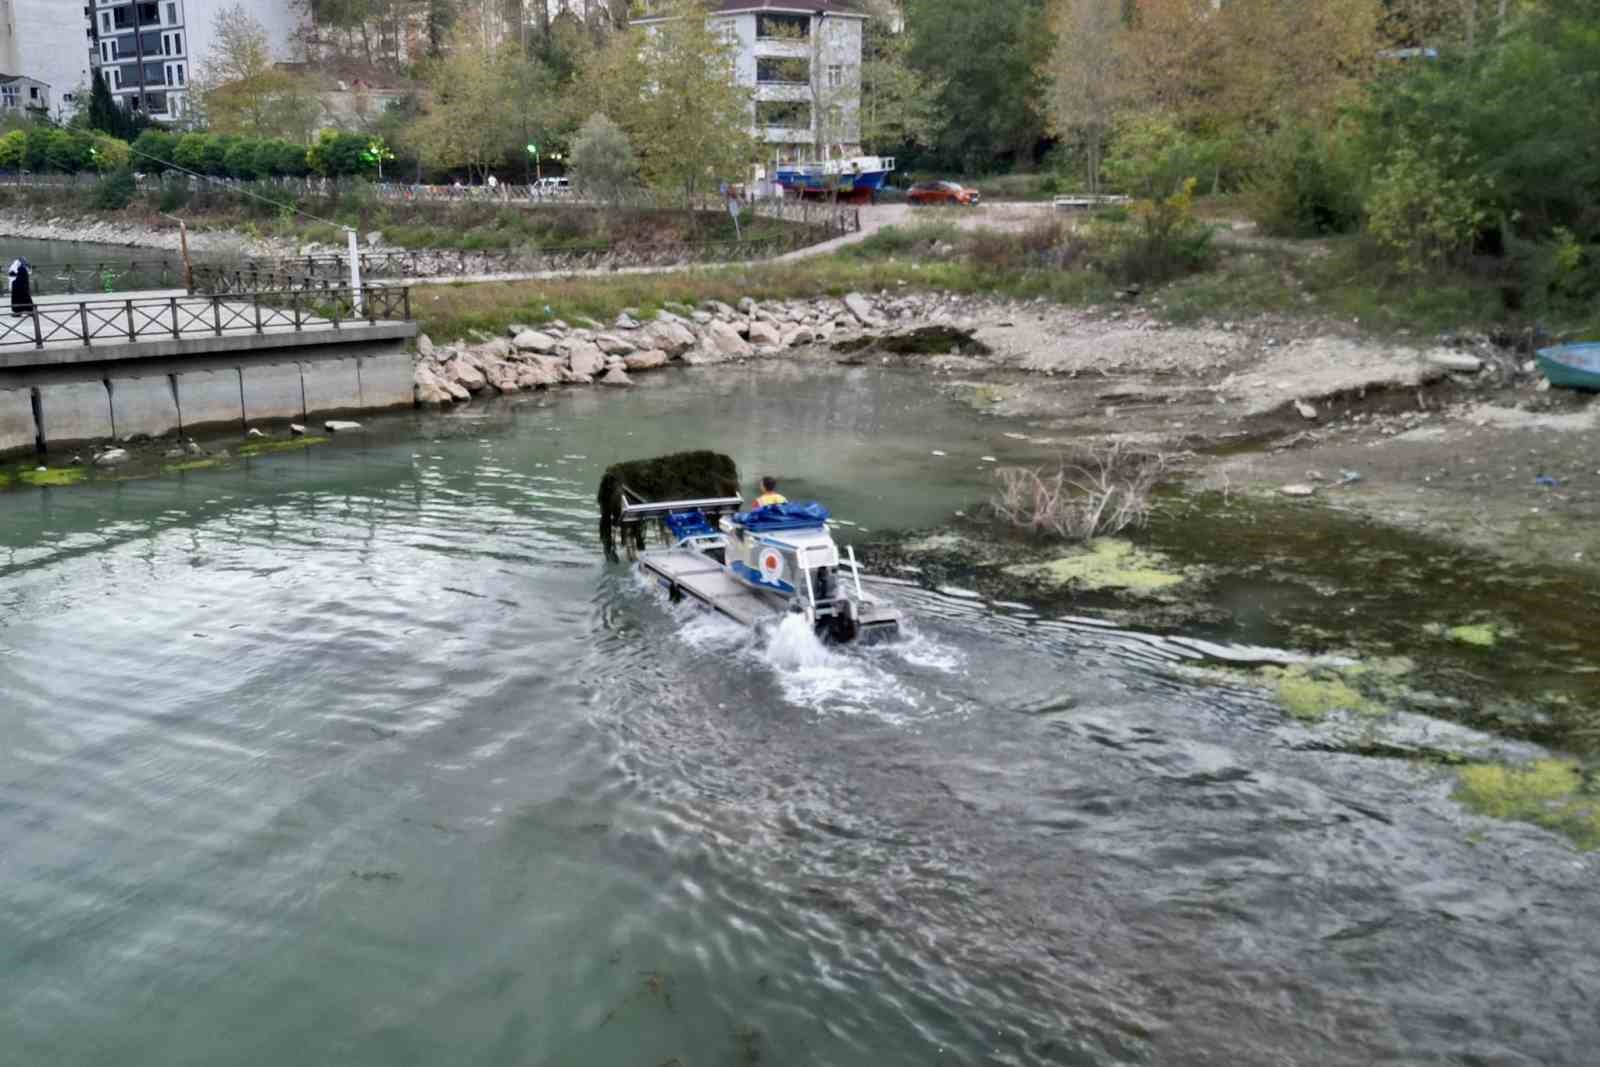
[240,91]
[673,87]
[898,106]
[104,114]
[602,159]
[988,56]
[1087,75]
[471,122]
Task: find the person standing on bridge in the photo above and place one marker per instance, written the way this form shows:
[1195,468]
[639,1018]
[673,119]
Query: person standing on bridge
[20,276]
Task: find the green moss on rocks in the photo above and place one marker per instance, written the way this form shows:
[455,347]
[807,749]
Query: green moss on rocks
[1550,793]
[1108,564]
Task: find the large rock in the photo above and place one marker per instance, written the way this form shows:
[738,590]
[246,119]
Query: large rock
[538,376]
[465,374]
[425,346]
[800,335]
[649,359]
[430,390]
[719,309]
[584,359]
[670,336]
[860,307]
[764,334]
[616,376]
[494,348]
[726,340]
[535,341]
[702,357]
[457,391]
[612,345]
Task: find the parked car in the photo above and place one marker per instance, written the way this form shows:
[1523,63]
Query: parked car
[925,193]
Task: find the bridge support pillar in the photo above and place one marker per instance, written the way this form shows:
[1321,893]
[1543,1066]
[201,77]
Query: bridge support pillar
[143,405]
[17,429]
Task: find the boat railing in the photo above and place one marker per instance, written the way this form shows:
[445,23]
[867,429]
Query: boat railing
[655,509]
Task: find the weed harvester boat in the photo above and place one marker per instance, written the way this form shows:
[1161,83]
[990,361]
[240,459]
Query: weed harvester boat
[752,566]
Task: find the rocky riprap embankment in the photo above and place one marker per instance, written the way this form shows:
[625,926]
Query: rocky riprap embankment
[559,353]
[92,231]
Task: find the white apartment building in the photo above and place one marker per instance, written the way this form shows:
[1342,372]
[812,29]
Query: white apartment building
[42,40]
[149,50]
[801,59]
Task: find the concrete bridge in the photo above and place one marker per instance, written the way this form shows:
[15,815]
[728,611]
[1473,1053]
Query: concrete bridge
[94,369]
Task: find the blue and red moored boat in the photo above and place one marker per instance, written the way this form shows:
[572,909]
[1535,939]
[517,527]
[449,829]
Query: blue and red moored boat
[852,180]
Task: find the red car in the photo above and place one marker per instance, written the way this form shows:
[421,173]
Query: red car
[924,193]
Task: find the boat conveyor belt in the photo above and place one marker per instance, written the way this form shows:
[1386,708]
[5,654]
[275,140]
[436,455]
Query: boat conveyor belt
[692,574]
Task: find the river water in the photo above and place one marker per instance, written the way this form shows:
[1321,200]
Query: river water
[96,267]
[363,755]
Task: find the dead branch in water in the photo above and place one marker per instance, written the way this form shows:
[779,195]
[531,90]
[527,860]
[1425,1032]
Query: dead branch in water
[1095,492]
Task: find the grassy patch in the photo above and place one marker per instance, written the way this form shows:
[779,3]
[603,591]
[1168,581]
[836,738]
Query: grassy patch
[895,259]
[1108,564]
[1551,793]
[293,444]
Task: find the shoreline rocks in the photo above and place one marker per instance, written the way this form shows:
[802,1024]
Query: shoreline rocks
[557,353]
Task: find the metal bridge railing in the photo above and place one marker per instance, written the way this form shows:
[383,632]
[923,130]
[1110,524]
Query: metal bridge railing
[108,322]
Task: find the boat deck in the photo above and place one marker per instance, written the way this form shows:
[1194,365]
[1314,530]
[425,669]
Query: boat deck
[706,581]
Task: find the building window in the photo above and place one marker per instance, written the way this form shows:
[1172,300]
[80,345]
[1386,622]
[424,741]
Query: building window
[116,77]
[177,44]
[114,51]
[783,71]
[105,21]
[835,76]
[784,114]
[783,27]
[33,92]
[180,73]
[166,44]
[172,14]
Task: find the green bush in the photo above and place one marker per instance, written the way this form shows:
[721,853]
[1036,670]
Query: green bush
[116,191]
[1428,206]
[190,152]
[1165,241]
[240,159]
[67,151]
[339,155]
[154,150]
[1308,184]
[174,195]
[13,150]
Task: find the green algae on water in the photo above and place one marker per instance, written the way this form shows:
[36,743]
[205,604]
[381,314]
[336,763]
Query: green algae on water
[1309,693]
[1550,793]
[192,465]
[54,476]
[1108,564]
[1479,635]
[257,448]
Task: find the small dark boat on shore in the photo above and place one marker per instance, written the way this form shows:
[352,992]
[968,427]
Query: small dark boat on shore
[1572,366]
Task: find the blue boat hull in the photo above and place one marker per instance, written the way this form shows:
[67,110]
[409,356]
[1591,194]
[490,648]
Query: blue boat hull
[1571,366]
[858,186]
